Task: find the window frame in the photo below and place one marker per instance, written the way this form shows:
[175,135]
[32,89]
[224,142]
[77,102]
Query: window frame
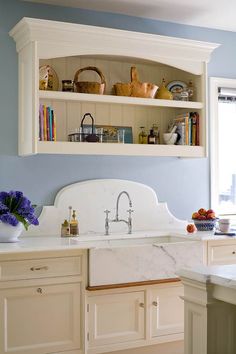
[214,85]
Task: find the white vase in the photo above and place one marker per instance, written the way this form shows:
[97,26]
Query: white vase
[9,233]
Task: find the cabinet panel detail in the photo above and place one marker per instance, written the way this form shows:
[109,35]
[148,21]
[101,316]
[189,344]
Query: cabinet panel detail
[40,319]
[116,318]
[167,314]
[40,268]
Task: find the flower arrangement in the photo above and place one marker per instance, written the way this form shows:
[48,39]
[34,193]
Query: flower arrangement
[15,208]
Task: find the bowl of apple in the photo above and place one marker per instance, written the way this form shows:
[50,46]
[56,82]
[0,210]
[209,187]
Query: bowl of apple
[204,220]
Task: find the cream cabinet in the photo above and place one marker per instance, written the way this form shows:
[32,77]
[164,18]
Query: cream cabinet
[68,47]
[41,319]
[167,310]
[116,318]
[41,305]
[134,317]
[221,251]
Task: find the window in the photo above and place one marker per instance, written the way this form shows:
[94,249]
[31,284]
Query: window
[223,145]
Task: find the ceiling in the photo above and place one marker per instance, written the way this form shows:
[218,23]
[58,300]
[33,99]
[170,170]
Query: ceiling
[204,13]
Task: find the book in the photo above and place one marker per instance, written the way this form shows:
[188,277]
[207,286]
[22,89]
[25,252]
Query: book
[187,128]
[47,125]
[195,128]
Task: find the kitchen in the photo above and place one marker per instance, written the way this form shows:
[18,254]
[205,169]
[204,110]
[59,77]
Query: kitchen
[52,172]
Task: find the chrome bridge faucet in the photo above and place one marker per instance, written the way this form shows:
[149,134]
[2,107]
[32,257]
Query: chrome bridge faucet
[117,219]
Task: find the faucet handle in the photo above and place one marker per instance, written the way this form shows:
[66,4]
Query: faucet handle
[107,212]
[130,211]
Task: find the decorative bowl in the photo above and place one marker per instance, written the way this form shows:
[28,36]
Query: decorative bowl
[170,138]
[205,225]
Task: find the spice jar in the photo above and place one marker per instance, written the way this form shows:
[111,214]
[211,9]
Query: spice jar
[68,85]
[142,138]
[65,229]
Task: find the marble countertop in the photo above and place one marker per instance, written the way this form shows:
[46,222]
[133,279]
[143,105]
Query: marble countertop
[224,275]
[91,241]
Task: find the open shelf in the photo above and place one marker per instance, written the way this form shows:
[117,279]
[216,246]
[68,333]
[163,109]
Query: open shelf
[84,97]
[64,147]
[67,47]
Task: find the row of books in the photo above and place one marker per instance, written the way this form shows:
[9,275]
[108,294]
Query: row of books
[187,128]
[47,123]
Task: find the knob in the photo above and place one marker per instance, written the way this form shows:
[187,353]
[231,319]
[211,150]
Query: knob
[141,304]
[155,303]
[40,290]
[233,252]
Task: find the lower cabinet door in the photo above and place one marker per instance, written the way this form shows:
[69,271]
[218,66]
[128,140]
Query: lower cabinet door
[116,318]
[167,310]
[40,320]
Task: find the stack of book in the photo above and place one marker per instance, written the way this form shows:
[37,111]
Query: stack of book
[47,123]
[187,128]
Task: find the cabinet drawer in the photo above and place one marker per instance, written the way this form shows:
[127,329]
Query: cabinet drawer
[40,268]
[222,254]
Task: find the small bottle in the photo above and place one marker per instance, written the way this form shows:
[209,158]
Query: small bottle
[65,229]
[191,91]
[142,138]
[74,225]
[151,137]
[156,133]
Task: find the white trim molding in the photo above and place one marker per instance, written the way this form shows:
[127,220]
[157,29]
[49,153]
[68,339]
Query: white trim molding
[215,83]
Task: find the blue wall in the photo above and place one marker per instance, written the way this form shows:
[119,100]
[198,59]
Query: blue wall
[183,183]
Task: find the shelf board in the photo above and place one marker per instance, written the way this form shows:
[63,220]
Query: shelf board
[74,148]
[85,97]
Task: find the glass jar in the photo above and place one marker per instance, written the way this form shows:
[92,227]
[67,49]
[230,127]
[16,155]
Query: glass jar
[68,85]
[191,91]
[156,133]
[143,137]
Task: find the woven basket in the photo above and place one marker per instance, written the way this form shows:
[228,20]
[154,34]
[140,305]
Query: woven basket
[135,88]
[90,87]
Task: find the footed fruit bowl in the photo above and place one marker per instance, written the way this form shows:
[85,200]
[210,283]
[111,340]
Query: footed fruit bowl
[205,225]
[204,220]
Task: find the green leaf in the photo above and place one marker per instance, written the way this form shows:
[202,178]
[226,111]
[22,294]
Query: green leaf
[22,220]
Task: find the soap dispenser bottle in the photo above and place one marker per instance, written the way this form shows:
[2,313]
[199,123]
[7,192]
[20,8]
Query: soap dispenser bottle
[65,229]
[74,225]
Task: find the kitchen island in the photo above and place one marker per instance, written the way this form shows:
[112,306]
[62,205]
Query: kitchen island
[210,309]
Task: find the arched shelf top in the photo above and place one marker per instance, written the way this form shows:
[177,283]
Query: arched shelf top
[75,39]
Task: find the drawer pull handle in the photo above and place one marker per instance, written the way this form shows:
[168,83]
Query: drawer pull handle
[39,268]
[40,290]
[141,304]
[233,252]
[155,303]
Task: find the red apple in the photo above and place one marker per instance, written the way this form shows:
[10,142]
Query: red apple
[191,228]
[209,211]
[202,211]
[195,215]
[211,216]
[202,217]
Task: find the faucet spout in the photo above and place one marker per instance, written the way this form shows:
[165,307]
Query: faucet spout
[128,222]
[117,203]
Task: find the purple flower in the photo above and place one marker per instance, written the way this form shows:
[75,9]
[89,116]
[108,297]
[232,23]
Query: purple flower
[32,219]
[3,208]
[9,219]
[15,208]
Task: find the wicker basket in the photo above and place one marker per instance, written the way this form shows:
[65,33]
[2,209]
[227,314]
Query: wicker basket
[135,88]
[90,87]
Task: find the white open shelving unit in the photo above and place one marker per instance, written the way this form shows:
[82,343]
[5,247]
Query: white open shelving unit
[68,47]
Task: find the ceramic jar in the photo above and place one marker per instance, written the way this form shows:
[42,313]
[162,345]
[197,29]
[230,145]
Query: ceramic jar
[9,233]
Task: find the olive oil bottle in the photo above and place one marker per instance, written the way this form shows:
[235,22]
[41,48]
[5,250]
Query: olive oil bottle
[74,225]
